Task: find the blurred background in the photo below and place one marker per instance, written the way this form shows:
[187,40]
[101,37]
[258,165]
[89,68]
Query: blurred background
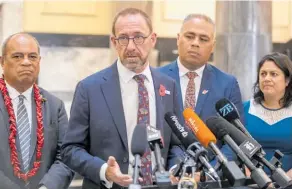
[74,36]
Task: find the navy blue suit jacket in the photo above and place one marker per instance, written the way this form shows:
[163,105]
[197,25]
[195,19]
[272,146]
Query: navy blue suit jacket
[97,127]
[215,85]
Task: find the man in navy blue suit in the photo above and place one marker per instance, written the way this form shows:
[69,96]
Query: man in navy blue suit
[201,84]
[110,103]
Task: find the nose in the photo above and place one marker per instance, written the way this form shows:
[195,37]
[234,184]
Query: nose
[196,42]
[267,78]
[131,45]
[26,61]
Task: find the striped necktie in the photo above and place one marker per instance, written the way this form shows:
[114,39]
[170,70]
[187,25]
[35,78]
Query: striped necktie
[23,130]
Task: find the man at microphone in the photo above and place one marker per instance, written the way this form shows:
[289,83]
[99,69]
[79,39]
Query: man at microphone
[109,104]
[201,84]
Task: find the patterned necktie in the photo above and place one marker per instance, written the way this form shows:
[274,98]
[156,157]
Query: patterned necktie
[23,130]
[190,98]
[143,117]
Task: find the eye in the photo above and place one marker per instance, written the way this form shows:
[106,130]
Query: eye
[263,73]
[33,57]
[139,37]
[190,37]
[204,39]
[16,57]
[274,74]
[123,38]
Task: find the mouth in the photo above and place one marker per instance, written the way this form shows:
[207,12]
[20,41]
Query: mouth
[24,72]
[267,86]
[194,53]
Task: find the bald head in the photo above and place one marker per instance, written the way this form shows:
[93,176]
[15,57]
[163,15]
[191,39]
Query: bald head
[20,61]
[16,36]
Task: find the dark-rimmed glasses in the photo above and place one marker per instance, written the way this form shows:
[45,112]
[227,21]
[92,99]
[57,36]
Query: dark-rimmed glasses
[138,40]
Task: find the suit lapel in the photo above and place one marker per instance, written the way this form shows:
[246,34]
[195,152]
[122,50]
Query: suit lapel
[34,126]
[205,88]
[4,113]
[158,99]
[112,94]
[174,73]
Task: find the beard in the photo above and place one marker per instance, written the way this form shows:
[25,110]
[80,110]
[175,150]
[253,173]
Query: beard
[134,63]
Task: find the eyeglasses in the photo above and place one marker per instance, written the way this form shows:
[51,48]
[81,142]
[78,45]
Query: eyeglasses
[138,40]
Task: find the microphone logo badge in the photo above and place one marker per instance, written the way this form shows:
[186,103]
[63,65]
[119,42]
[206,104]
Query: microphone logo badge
[250,147]
[153,133]
[178,126]
[226,110]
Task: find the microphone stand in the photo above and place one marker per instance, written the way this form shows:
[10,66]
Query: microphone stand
[187,179]
[162,177]
[136,167]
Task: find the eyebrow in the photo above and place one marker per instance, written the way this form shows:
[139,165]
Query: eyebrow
[24,53]
[192,33]
[135,33]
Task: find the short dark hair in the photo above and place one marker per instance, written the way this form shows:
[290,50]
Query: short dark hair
[284,63]
[199,16]
[132,11]
[5,43]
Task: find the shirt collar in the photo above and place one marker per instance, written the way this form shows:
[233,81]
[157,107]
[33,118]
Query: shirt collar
[126,75]
[13,93]
[183,70]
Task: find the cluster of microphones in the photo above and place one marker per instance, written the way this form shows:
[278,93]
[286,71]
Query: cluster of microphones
[199,139]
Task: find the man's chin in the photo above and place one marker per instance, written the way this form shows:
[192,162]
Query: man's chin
[27,81]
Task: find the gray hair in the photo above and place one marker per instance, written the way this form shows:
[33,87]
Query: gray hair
[4,45]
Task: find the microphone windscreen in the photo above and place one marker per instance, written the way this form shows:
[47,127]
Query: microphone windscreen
[227,109]
[185,136]
[216,123]
[139,141]
[198,127]
[217,126]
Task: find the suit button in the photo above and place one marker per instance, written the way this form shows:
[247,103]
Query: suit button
[125,160]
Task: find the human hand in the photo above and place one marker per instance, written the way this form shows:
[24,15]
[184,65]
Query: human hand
[113,173]
[289,173]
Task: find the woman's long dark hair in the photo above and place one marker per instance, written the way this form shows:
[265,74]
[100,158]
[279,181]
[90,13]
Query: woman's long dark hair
[284,63]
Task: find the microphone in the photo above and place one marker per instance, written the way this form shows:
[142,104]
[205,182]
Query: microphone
[252,149]
[188,141]
[138,148]
[156,143]
[228,111]
[218,127]
[230,169]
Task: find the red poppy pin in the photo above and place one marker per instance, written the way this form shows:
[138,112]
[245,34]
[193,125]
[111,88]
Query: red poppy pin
[163,91]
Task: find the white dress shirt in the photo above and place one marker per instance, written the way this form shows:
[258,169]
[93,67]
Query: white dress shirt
[184,80]
[130,100]
[13,93]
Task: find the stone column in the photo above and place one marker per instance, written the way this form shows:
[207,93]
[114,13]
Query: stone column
[11,18]
[243,32]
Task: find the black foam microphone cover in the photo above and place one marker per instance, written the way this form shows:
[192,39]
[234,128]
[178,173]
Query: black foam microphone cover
[139,141]
[217,126]
[227,109]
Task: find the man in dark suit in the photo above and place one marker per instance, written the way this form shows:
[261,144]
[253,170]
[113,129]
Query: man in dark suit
[109,104]
[201,84]
[33,122]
